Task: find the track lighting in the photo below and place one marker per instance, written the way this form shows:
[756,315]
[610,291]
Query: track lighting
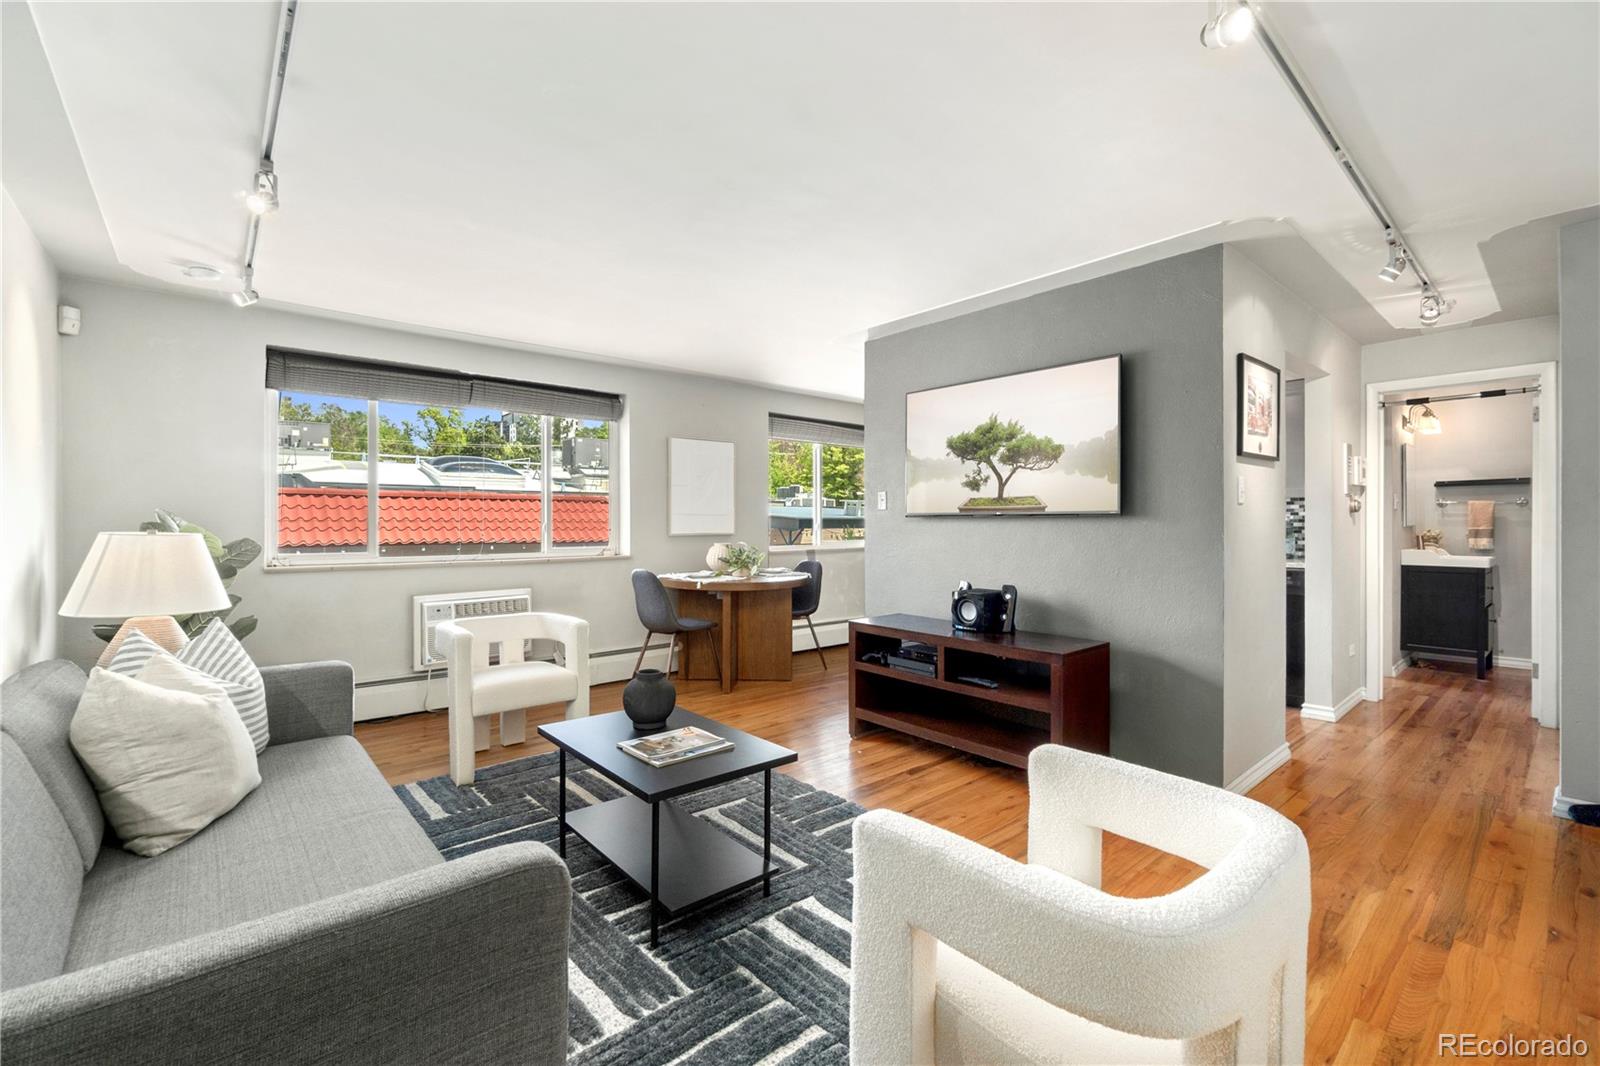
[1229,27]
[1432,308]
[1422,421]
[247,294]
[1398,261]
[263,198]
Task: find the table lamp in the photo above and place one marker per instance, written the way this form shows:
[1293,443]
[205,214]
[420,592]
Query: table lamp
[146,578]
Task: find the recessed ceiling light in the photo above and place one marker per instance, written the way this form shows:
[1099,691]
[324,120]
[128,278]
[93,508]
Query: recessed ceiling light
[1229,27]
[201,272]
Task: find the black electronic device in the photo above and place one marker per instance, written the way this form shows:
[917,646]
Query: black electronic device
[984,610]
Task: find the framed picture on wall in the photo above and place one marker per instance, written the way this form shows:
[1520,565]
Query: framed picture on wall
[1260,408]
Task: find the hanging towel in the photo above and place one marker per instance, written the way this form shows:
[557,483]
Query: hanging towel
[1480,525]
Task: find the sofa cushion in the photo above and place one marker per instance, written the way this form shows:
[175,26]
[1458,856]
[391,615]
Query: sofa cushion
[41,877]
[166,752]
[36,706]
[322,822]
[217,654]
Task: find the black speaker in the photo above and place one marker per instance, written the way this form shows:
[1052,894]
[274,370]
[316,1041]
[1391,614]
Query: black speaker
[984,610]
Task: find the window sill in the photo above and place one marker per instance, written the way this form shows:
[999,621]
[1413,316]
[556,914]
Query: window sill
[801,549]
[278,566]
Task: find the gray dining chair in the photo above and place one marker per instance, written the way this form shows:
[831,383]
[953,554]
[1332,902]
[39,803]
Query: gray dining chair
[806,599]
[657,615]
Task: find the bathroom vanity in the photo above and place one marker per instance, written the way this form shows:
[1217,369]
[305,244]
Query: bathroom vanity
[1447,606]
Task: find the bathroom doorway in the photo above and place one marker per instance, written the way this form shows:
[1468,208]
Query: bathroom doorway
[1461,540]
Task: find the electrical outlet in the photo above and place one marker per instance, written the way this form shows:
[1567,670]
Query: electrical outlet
[883,501]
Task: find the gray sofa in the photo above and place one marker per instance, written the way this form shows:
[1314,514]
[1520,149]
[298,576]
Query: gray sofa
[313,923]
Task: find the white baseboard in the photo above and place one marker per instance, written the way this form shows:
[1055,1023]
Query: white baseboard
[1561,806]
[418,693]
[1319,713]
[1399,665]
[1510,662]
[1258,773]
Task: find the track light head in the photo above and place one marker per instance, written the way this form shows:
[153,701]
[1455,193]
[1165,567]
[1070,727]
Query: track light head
[1231,26]
[262,199]
[1432,308]
[247,294]
[1398,261]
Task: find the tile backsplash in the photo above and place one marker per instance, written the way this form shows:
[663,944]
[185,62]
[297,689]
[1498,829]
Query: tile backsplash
[1294,527]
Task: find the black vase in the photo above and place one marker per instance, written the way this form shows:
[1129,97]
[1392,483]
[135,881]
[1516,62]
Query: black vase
[648,699]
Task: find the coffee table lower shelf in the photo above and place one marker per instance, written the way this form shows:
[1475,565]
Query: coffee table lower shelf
[696,862]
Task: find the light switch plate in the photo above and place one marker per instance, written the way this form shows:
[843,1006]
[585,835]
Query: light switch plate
[883,501]
[1240,489]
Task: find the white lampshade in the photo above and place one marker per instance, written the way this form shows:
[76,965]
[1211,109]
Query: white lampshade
[132,574]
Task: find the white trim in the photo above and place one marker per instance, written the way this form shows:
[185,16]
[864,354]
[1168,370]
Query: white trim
[831,634]
[1319,713]
[1561,806]
[1545,704]
[1509,662]
[1399,665]
[1258,773]
[856,545]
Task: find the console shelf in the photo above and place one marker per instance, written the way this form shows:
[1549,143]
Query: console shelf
[1049,689]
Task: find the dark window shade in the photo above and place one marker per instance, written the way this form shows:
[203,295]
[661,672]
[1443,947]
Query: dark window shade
[336,375]
[790,427]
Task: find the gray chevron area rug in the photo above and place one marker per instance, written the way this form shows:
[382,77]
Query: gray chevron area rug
[748,979]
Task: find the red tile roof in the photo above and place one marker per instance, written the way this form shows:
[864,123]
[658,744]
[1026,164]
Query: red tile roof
[325,518]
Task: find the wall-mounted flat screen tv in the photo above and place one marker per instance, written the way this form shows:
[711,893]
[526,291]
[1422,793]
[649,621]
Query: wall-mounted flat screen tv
[1041,442]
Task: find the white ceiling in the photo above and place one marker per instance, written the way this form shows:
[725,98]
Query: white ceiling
[746,190]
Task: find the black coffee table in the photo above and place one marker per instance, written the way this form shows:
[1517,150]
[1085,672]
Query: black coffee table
[681,861]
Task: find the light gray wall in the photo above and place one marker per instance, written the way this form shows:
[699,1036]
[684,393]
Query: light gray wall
[1484,438]
[1294,437]
[168,409]
[29,420]
[1580,512]
[1451,351]
[1149,580]
[1270,323]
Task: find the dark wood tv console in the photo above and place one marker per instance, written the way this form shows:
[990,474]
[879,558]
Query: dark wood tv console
[1050,689]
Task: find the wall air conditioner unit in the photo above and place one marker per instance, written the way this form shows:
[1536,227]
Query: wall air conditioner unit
[428,611]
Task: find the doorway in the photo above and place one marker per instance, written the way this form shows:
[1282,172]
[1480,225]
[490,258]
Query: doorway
[1431,505]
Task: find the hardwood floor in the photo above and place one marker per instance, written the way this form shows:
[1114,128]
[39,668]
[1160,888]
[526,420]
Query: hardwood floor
[1445,897]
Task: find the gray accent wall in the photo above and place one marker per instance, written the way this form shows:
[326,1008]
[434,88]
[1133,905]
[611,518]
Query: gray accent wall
[165,406]
[1580,512]
[1148,580]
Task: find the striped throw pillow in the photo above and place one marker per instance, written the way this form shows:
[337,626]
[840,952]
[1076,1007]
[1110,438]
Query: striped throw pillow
[217,654]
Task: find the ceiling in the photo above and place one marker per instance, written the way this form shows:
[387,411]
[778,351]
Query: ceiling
[748,190]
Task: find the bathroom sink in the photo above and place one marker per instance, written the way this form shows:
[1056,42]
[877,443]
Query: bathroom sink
[1419,557]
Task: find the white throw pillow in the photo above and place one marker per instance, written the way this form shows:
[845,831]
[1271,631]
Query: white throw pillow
[217,653]
[166,751]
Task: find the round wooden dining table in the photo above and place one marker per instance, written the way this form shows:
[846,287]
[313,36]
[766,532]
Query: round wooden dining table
[754,625]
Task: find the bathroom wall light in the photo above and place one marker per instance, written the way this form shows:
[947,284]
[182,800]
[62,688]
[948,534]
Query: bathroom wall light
[1229,27]
[1419,418]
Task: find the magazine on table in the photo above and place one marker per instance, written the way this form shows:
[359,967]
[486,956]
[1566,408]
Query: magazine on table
[675,745]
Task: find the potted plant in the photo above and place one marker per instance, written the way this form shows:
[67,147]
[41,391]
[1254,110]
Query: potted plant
[229,558]
[741,560]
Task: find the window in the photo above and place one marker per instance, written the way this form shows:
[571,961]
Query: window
[816,483]
[455,480]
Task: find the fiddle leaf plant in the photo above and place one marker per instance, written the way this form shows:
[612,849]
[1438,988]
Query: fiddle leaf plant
[229,558]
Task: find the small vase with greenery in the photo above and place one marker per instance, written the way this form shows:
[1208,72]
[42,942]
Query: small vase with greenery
[229,559]
[742,560]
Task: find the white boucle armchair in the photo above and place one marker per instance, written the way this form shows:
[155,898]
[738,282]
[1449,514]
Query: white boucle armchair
[961,955]
[514,683]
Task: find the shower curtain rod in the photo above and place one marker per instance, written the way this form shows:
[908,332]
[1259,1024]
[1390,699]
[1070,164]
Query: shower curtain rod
[1411,401]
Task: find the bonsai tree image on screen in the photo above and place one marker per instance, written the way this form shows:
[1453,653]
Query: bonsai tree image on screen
[994,444]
